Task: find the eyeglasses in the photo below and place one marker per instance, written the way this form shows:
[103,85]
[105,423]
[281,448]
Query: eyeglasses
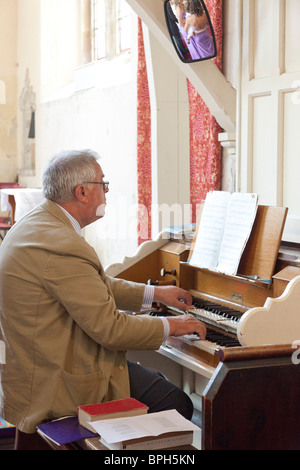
[104,183]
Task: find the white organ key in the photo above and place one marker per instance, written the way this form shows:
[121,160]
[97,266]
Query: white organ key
[214,319]
[230,325]
[204,345]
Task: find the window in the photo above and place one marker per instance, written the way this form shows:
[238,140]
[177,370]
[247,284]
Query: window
[111,28]
[98,29]
[124,26]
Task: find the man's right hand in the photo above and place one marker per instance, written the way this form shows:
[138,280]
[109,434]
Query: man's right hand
[186,324]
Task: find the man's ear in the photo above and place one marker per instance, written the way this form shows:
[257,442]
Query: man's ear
[80,193]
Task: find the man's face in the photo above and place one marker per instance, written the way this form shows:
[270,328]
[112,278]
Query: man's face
[97,196]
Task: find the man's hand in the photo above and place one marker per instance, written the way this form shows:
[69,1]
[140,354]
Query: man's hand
[173,296]
[182,324]
[186,325]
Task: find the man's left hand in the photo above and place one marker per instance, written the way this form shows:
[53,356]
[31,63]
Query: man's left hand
[173,296]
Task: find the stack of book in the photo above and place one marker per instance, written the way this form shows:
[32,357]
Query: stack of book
[122,425]
[162,430]
[183,232]
[87,414]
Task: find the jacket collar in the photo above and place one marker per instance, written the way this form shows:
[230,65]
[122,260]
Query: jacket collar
[56,211]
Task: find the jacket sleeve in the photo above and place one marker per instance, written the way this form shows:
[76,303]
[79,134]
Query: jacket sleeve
[134,294]
[87,295]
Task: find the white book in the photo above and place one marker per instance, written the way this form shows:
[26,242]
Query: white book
[164,441]
[152,430]
[224,229]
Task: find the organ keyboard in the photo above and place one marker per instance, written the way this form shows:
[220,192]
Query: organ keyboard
[215,314]
[221,325]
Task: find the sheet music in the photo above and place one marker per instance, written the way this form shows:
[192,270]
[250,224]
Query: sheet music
[209,237]
[224,229]
[135,427]
[240,217]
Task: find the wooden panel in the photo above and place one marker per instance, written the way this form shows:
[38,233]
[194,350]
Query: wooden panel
[282,278]
[269,91]
[291,151]
[232,288]
[263,162]
[149,267]
[260,254]
[169,262]
[235,289]
[254,352]
[252,404]
[292,35]
[146,268]
[170,256]
[263,45]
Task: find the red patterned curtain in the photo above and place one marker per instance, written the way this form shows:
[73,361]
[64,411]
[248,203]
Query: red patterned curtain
[143,143]
[205,150]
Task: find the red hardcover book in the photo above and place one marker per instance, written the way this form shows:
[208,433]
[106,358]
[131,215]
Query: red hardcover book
[108,410]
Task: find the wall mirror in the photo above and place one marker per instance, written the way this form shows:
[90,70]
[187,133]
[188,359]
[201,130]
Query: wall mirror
[190,29]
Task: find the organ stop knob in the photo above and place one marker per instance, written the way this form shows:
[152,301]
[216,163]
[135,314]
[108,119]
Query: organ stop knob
[163,272]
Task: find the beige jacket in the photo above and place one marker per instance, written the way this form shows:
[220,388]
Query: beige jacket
[65,337]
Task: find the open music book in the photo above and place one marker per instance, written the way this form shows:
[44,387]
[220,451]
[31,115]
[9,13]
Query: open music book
[225,226]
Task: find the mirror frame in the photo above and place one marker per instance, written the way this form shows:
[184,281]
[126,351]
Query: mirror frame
[211,28]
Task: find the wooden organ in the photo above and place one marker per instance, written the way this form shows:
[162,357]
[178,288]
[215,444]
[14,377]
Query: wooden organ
[252,327]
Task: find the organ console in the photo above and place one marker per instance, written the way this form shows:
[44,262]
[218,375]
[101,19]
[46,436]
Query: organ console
[251,318]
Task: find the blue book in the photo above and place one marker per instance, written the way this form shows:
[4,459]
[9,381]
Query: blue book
[6,429]
[65,430]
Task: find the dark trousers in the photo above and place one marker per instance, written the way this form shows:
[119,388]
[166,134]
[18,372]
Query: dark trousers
[156,392]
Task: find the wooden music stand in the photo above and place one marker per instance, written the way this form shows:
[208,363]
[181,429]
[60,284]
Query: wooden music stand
[260,254]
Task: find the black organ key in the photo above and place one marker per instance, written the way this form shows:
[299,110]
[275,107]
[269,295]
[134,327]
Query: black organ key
[226,312]
[220,338]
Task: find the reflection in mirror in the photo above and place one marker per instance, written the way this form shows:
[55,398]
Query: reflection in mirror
[190,29]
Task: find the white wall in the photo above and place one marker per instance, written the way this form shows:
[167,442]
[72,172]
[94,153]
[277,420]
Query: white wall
[81,106]
[93,106]
[102,118]
[8,90]
[60,44]
[270,106]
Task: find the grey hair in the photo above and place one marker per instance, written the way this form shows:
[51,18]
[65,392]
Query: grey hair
[65,171]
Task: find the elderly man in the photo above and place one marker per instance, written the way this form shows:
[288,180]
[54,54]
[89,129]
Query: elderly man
[65,337]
